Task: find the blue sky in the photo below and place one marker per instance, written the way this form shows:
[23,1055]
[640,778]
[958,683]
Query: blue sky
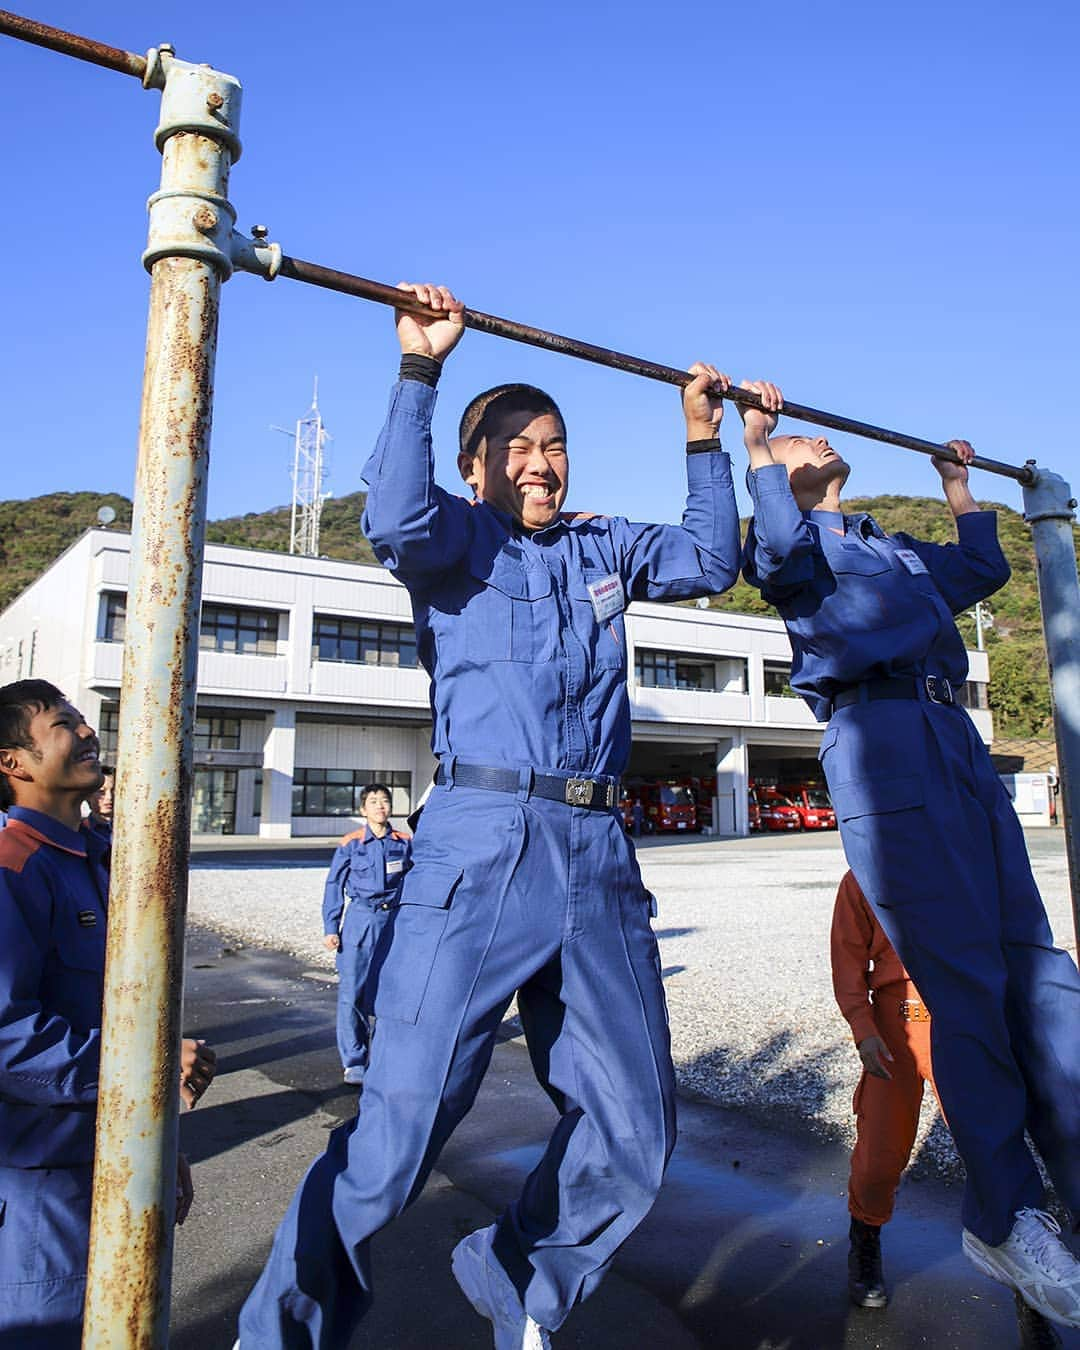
[874,205]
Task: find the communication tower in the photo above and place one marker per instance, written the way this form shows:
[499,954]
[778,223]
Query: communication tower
[309,470]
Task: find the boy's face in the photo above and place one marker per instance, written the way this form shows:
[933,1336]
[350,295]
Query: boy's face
[376,808]
[64,757]
[811,463]
[101,803]
[523,467]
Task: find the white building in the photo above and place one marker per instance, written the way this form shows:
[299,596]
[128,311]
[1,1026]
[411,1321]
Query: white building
[309,686]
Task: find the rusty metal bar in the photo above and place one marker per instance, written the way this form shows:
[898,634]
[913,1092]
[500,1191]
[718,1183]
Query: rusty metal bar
[70,44]
[130,1267]
[347,284]
[1050,509]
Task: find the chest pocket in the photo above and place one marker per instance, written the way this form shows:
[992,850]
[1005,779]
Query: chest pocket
[857,560]
[605,642]
[79,970]
[363,877]
[511,616]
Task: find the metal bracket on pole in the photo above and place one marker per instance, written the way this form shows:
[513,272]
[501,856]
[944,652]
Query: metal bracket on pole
[1049,508]
[194,219]
[256,255]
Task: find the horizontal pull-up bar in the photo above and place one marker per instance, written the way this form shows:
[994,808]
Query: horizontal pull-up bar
[70,44]
[128,63]
[382,294]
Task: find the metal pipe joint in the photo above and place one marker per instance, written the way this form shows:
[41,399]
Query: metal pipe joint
[193,218]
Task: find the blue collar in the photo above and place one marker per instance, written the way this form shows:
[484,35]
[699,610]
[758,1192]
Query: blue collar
[833,520]
[52,831]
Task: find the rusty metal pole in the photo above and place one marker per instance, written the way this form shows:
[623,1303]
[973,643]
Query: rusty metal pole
[1049,508]
[127,1300]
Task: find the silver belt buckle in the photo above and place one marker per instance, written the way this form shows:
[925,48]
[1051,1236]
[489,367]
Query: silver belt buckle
[579,791]
[938,689]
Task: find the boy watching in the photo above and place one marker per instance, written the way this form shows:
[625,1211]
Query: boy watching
[53,898]
[364,881]
[101,802]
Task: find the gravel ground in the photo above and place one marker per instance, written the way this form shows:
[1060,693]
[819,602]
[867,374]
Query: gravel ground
[743,931]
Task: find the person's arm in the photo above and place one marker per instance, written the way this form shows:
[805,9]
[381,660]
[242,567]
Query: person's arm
[198,1065]
[974,567]
[44,1060]
[849,941]
[778,556]
[414,526]
[700,556]
[334,897]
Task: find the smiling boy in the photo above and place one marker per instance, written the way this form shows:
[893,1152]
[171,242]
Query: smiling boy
[53,898]
[523,879]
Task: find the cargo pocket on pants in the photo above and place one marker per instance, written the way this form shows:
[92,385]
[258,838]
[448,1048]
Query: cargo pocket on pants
[418,922]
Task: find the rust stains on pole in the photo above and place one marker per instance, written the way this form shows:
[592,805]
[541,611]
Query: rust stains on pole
[127,1301]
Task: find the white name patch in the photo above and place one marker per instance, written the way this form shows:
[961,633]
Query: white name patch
[607,597]
[911,561]
[394,865]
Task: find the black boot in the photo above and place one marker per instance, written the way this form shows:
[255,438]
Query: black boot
[866,1283]
[1036,1331]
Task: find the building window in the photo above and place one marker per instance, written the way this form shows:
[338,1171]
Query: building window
[256,799]
[250,632]
[336,792]
[113,621]
[680,670]
[108,730]
[363,641]
[778,680]
[973,695]
[217,733]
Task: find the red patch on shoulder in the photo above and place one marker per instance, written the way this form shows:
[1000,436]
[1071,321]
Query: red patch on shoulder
[18,844]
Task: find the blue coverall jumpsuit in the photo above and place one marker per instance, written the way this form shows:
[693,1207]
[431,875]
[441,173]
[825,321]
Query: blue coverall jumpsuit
[53,892]
[929,830]
[508,892]
[368,872]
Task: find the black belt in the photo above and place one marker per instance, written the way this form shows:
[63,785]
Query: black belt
[933,688]
[599,794]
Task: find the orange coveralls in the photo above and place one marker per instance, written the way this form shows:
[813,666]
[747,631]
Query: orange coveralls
[877,998]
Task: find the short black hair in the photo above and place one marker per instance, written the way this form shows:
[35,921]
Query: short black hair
[369,788]
[504,398]
[18,704]
[109,771]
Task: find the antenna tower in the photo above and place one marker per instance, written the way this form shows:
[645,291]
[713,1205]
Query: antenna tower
[308,472]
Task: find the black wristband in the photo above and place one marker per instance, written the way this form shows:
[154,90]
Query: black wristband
[703,447]
[424,369]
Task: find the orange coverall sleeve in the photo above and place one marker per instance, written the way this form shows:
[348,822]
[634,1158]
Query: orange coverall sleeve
[850,943]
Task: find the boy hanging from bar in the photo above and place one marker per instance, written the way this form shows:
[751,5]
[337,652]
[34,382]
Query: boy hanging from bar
[53,893]
[930,832]
[890,1025]
[523,879]
[362,887]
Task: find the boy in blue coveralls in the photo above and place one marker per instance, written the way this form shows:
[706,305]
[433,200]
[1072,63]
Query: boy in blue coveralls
[53,893]
[930,833]
[365,877]
[522,878]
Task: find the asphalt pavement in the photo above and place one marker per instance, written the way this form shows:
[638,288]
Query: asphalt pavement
[745,1248]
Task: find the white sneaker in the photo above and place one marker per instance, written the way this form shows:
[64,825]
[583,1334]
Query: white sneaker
[1035,1262]
[491,1292]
